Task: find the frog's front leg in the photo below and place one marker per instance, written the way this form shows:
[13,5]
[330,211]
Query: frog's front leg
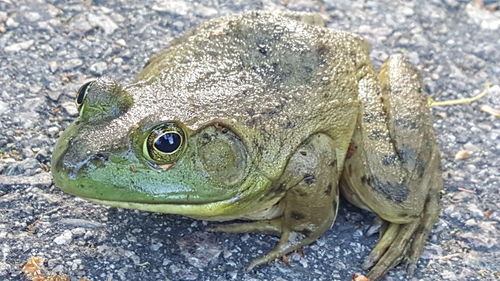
[393,167]
[310,203]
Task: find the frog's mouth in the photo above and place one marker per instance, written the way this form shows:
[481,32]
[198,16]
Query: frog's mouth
[252,190]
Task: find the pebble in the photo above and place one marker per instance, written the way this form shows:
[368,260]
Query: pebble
[70,108]
[4,107]
[486,19]
[11,22]
[103,21]
[71,64]
[65,238]
[98,68]
[16,47]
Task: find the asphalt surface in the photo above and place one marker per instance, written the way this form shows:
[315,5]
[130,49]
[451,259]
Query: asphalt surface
[49,48]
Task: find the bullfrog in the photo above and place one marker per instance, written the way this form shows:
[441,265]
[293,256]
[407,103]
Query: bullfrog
[266,118]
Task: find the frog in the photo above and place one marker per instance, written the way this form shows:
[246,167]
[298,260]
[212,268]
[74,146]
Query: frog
[264,118]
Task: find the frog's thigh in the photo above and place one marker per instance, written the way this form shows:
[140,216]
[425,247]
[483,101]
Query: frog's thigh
[310,204]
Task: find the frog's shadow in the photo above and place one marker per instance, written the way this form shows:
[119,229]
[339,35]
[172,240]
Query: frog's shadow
[183,241]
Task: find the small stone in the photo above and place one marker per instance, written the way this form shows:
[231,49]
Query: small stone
[463,154]
[484,18]
[53,130]
[103,21]
[32,16]
[71,64]
[53,66]
[98,68]
[54,95]
[19,46]
[156,246]
[3,16]
[178,7]
[70,108]
[78,231]
[121,42]
[11,22]
[4,107]
[64,239]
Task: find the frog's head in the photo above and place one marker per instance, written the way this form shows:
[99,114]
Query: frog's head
[120,154]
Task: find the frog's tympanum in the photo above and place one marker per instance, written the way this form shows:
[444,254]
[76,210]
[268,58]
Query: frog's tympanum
[265,117]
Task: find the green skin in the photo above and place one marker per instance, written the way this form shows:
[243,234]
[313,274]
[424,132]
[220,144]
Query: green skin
[278,115]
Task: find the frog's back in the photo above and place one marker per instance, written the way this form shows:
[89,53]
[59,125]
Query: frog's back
[273,79]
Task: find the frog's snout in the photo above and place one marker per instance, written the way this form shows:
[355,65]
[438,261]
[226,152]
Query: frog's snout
[68,160]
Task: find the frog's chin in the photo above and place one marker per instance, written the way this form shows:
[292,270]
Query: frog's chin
[207,211]
[235,207]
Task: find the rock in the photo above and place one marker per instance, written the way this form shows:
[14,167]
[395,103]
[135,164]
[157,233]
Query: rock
[53,66]
[65,238]
[4,107]
[177,7]
[70,108]
[11,22]
[98,68]
[71,64]
[103,21]
[484,18]
[16,47]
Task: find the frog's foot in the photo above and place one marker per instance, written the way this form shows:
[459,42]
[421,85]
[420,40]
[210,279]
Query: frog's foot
[289,241]
[403,241]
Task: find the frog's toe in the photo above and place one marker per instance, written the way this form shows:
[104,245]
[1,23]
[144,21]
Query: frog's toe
[431,214]
[270,227]
[396,246]
[290,241]
[386,239]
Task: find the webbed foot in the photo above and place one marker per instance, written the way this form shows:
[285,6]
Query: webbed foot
[402,242]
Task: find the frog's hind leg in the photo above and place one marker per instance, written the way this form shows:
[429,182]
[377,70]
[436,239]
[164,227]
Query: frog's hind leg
[309,204]
[393,168]
[406,241]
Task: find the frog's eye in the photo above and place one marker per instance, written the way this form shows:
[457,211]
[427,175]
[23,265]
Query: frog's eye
[164,143]
[81,95]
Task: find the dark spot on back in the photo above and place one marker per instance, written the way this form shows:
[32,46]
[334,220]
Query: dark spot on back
[303,153]
[378,135]
[287,125]
[407,124]
[263,50]
[396,192]
[296,215]
[309,179]
[281,188]
[328,190]
[389,159]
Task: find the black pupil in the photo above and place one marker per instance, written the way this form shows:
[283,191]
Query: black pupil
[168,143]
[81,93]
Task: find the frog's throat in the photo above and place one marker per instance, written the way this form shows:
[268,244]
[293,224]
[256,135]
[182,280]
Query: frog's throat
[253,189]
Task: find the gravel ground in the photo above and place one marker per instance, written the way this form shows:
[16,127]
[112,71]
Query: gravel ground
[49,48]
